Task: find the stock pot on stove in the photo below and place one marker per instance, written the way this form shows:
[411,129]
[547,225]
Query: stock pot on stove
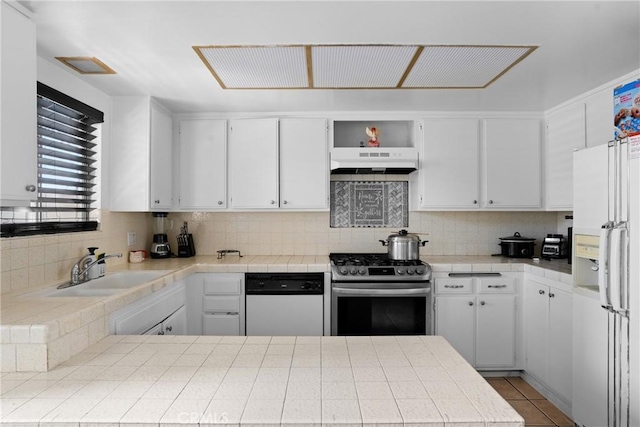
[403,246]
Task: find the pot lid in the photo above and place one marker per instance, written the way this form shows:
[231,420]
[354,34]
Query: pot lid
[404,236]
[517,238]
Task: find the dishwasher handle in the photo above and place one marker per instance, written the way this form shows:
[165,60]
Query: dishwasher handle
[415,292]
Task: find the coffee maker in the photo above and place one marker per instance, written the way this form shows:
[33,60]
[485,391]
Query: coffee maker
[160,247]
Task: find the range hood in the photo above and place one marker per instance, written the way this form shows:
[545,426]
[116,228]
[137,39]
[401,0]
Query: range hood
[393,160]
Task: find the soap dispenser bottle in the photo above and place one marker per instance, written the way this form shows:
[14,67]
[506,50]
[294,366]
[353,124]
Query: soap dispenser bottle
[93,272]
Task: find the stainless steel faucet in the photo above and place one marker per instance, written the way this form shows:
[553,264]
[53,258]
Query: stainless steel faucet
[80,271]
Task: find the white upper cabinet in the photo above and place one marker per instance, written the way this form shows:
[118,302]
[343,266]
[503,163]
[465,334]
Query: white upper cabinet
[512,163]
[278,164]
[18,153]
[304,163]
[253,163]
[141,155]
[565,134]
[203,164]
[450,163]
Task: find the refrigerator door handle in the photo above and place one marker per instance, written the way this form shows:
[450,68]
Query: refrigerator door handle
[603,266]
[615,269]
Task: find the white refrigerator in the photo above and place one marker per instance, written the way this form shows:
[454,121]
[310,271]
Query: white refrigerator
[606,357]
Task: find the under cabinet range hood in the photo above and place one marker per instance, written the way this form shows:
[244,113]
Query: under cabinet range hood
[399,161]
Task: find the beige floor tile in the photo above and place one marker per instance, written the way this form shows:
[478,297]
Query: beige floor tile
[524,388]
[531,414]
[553,413]
[505,389]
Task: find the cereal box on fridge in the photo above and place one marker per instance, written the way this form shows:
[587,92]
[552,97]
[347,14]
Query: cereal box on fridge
[626,109]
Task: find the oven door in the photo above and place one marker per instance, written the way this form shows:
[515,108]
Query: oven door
[398,310]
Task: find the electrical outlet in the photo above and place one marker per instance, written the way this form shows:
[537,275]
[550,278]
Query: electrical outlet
[131,238]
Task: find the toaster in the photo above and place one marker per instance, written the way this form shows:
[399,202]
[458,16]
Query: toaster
[554,246]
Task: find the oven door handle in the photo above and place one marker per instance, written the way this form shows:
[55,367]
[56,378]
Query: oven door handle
[416,292]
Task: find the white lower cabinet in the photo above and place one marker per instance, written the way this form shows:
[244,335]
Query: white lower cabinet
[548,336]
[477,315]
[162,312]
[215,304]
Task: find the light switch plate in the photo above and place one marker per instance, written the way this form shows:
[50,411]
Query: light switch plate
[131,238]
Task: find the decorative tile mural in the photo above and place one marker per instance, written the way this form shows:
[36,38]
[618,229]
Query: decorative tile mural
[369,204]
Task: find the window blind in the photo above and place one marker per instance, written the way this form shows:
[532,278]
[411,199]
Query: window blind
[67,169]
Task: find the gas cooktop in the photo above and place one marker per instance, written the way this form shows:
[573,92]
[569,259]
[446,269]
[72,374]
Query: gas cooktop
[365,267]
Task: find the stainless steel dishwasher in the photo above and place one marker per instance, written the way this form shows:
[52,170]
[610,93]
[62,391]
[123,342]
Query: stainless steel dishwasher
[284,303]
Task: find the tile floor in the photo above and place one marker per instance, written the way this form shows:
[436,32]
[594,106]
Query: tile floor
[531,405]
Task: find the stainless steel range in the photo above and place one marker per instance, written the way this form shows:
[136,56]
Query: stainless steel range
[373,295]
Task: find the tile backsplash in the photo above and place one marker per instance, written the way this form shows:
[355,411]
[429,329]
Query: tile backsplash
[309,233]
[27,262]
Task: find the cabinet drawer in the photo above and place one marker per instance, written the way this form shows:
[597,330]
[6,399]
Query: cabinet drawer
[454,286]
[221,304]
[227,287]
[501,285]
[221,324]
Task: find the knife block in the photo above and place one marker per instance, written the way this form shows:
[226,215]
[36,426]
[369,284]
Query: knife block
[188,249]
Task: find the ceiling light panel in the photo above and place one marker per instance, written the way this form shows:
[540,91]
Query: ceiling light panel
[86,64]
[463,66]
[360,66]
[257,67]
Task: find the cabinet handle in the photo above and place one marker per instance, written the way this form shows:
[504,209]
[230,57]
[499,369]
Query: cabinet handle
[219,202]
[284,202]
[157,202]
[482,302]
[551,295]
[30,188]
[161,333]
[273,202]
[490,202]
[454,286]
[497,286]
[541,292]
[475,202]
[169,328]
[470,302]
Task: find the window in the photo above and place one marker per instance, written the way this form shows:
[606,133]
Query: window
[67,138]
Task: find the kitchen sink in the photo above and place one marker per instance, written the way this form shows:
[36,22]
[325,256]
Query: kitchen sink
[108,285]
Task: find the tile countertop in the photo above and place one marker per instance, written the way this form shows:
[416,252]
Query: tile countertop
[38,333]
[188,380]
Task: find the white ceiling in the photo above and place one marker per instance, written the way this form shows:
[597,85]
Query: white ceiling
[149,44]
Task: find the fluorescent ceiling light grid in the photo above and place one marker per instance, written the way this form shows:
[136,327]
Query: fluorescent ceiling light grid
[463,66]
[259,67]
[360,66]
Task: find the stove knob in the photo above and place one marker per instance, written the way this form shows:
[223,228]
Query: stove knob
[362,271]
[400,270]
[420,271]
[344,270]
[410,270]
[353,271]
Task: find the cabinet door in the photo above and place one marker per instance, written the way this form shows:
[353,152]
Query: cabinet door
[455,320]
[536,314]
[203,164]
[221,324]
[450,164]
[176,324]
[253,163]
[161,159]
[560,345]
[512,163]
[304,165]
[565,133]
[18,151]
[495,331]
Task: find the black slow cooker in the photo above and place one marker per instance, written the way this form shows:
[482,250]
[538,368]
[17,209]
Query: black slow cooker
[517,246]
